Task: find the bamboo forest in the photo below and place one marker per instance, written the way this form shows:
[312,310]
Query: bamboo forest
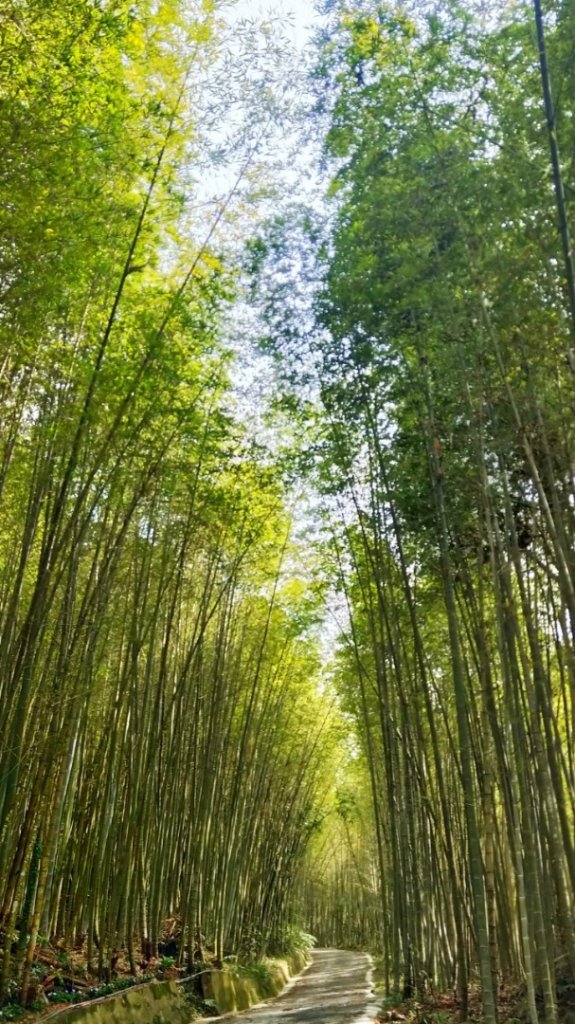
[287,500]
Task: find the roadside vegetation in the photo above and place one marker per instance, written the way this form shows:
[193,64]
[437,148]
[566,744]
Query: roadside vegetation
[428,350]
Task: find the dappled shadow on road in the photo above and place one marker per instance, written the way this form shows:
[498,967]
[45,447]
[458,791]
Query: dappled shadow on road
[334,990]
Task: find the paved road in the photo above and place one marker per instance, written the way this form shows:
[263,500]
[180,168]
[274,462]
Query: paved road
[335,989]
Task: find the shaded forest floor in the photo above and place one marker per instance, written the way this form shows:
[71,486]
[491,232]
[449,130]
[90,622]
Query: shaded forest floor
[61,978]
[444,1008]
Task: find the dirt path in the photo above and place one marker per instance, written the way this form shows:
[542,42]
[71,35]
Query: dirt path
[335,989]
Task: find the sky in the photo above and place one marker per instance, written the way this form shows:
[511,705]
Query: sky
[253,376]
[294,172]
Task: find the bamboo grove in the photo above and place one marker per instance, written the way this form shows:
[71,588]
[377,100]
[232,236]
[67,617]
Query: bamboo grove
[181,739]
[163,751]
[438,340]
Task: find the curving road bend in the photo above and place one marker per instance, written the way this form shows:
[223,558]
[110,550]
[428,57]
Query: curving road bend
[335,989]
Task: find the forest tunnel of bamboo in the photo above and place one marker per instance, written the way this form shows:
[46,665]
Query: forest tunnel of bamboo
[287,496]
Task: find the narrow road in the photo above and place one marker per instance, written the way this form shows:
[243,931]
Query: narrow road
[335,989]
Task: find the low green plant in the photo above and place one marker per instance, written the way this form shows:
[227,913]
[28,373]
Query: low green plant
[438,1017]
[259,971]
[59,995]
[11,1011]
[293,941]
[391,1001]
[199,1006]
[166,963]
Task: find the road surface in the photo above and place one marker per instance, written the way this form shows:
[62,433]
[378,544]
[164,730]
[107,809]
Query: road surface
[335,989]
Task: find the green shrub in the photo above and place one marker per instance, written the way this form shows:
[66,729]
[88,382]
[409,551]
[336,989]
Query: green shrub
[259,971]
[294,940]
[11,1011]
[166,963]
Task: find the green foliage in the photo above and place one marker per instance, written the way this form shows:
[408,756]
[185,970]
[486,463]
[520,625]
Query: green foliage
[64,995]
[166,963]
[295,940]
[157,656]
[11,1011]
[428,360]
[391,1001]
[259,970]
